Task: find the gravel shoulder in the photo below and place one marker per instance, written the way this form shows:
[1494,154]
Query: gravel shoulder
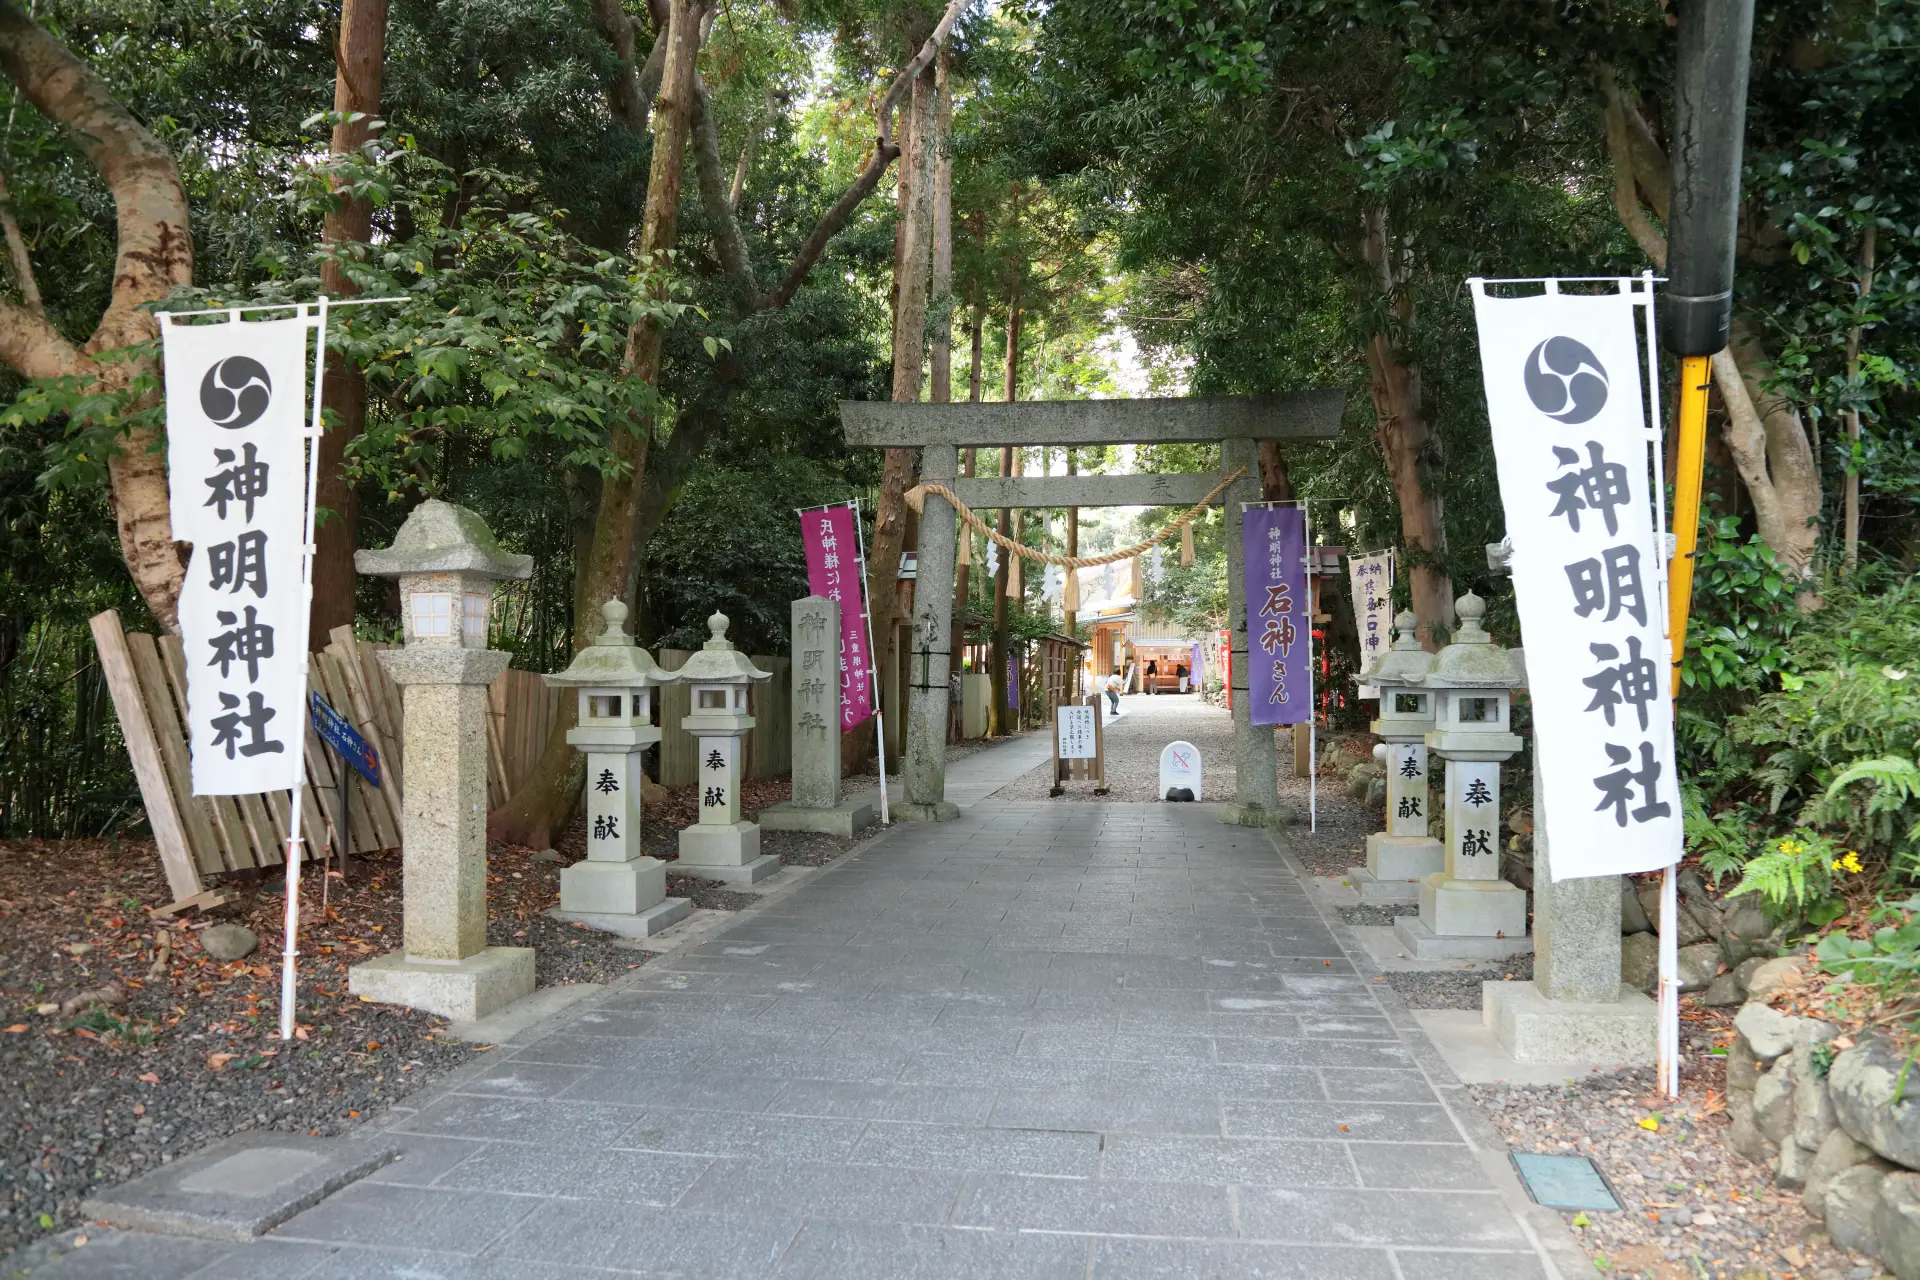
[185,1050]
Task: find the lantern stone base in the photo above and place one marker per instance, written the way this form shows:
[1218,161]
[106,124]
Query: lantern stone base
[636,924]
[1466,920]
[1411,858]
[939,811]
[842,819]
[719,844]
[1423,943]
[1532,1028]
[613,888]
[1372,889]
[460,990]
[744,876]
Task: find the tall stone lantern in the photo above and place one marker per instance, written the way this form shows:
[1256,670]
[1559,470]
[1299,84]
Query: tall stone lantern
[447,562]
[616,887]
[1403,855]
[720,846]
[1466,910]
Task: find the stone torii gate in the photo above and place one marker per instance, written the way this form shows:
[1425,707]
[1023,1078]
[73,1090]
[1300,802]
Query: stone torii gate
[1238,423]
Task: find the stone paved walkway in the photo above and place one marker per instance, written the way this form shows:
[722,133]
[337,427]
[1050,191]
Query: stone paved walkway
[1048,1040]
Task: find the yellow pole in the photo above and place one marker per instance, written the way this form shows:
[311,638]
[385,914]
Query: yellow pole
[1696,377]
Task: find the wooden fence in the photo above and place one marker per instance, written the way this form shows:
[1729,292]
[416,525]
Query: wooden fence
[200,836]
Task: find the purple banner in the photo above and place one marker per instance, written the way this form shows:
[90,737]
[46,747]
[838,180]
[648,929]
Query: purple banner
[833,571]
[1279,639]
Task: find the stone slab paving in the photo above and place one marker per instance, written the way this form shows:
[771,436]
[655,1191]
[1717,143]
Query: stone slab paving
[1046,1040]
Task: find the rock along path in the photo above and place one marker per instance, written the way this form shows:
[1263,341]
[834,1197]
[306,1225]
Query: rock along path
[1045,1040]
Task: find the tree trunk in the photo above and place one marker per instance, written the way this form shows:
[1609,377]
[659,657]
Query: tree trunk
[911,282]
[998,720]
[1407,440]
[543,804]
[940,304]
[1769,443]
[360,59]
[1071,617]
[974,333]
[1275,484]
[154,252]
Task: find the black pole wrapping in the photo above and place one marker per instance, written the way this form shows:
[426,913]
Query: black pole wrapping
[1711,100]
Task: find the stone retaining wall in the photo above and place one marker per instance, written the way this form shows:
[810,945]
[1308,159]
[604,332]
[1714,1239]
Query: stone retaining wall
[1828,1115]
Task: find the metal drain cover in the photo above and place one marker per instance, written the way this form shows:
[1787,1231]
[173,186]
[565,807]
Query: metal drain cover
[1565,1182]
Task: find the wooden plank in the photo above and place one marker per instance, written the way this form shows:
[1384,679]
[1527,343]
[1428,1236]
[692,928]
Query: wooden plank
[231,830]
[364,718]
[205,900]
[1305,415]
[173,749]
[677,747]
[502,689]
[149,766]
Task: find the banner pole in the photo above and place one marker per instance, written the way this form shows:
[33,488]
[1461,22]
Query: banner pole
[873,671]
[289,957]
[1313,728]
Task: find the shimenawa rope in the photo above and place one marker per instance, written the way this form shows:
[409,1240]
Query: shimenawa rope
[917,496]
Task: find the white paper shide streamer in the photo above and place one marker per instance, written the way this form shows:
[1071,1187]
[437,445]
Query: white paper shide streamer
[1571,441]
[236,422]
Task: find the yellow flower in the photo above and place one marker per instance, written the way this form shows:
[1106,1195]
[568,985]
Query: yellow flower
[1850,862]
[1792,846]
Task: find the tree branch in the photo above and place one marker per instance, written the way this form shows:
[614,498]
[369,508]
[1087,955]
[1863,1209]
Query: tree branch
[885,152]
[1626,148]
[155,248]
[768,108]
[732,246]
[17,250]
[630,96]
[31,345]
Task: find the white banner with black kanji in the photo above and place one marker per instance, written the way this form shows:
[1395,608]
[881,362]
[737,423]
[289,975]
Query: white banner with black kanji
[236,469]
[1574,452]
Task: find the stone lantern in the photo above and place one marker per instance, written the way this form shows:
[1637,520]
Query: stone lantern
[447,562]
[720,846]
[1403,855]
[616,887]
[1466,910]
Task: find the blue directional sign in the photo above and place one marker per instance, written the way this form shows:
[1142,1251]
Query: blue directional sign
[345,739]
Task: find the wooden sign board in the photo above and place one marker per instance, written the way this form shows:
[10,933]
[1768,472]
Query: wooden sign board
[1079,745]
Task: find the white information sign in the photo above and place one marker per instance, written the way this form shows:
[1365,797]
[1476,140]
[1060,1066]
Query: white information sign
[1574,451]
[237,479]
[1076,729]
[1372,579]
[1180,767]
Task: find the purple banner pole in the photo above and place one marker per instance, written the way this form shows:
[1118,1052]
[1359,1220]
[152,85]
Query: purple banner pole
[833,571]
[1279,634]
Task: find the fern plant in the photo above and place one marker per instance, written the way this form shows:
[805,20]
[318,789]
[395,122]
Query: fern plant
[1794,874]
[1882,811]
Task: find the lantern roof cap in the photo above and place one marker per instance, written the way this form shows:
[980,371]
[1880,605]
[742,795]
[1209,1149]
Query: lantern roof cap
[1473,660]
[1407,662]
[442,538]
[718,662]
[612,661]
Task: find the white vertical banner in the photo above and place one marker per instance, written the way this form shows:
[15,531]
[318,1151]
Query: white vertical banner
[237,477]
[1574,452]
[1372,579]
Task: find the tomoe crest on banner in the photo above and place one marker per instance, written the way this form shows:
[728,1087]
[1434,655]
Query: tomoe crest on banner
[1572,447]
[236,469]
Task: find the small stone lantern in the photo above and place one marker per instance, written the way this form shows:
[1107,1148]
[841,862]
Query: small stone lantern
[616,887]
[1400,857]
[720,846]
[447,562]
[1466,910]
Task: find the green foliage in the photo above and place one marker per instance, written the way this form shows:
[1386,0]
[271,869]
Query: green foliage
[1888,959]
[1794,875]
[1743,612]
[1888,815]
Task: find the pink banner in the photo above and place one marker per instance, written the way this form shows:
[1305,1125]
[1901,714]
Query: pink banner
[834,571]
